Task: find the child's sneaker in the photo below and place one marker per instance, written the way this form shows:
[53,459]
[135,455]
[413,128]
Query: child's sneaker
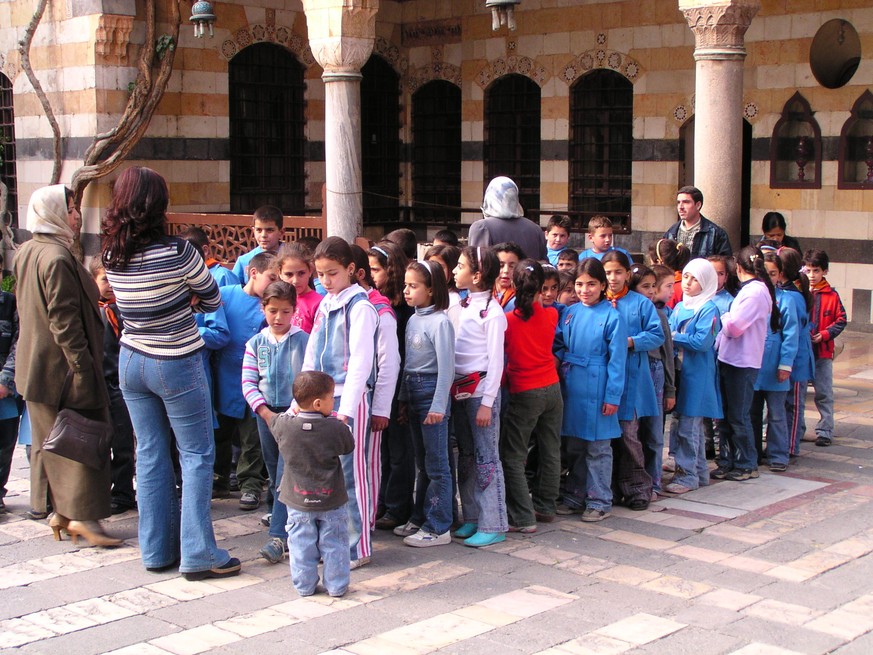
[669,465]
[422,539]
[407,529]
[592,515]
[274,550]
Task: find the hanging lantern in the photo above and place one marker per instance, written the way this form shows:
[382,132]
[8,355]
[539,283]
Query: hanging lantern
[502,13]
[201,16]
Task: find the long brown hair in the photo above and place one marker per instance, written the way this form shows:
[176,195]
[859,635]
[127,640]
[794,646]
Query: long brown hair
[136,215]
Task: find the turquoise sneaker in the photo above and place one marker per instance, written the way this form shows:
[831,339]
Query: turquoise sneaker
[481,539]
[466,530]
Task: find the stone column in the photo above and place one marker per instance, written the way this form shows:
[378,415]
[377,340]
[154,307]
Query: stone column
[719,28]
[341,36]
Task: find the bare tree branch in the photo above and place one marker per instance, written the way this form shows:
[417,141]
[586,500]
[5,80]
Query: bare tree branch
[24,49]
[147,93]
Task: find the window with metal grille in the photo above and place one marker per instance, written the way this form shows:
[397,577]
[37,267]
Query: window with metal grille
[380,141]
[512,141]
[436,170]
[601,148]
[266,130]
[7,151]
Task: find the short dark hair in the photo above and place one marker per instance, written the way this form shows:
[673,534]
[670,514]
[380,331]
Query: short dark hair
[592,267]
[816,258]
[568,253]
[695,193]
[196,237]
[435,280]
[310,243]
[448,237]
[509,246]
[616,256]
[406,239]
[559,220]
[638,273]
[269,213]
[771,221]
[310,385]
[279,290]
[550,272]
[263,261]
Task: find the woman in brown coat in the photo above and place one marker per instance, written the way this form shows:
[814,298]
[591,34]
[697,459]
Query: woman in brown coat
[60,332]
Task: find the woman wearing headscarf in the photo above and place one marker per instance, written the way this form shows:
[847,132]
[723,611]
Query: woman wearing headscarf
[503,220]
[694,324]
[61,337]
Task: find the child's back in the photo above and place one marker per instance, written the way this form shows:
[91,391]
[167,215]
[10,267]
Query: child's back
[244,320]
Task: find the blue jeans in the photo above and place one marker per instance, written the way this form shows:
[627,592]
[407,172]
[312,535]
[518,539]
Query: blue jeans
[691,468]
[824,397]
[275,466]
[480,473]
[319,535]
[777,425]
[651,428]
[589,483]
[736,442]
[432,509]
[166,398]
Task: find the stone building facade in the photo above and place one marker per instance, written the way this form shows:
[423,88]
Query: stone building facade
[592,104]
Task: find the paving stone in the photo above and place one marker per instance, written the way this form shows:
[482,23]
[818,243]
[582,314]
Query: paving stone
[709,617]
[689,640]
[194,613]
[640,629]
[790,637]
[130,632]
[196,640]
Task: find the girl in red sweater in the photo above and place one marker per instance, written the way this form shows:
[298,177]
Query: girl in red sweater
[536,407]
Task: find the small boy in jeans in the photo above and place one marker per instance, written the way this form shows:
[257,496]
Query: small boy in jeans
[827,321]
[313,487]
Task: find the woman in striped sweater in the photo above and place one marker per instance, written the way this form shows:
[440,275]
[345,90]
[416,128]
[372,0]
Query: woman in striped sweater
[159,282]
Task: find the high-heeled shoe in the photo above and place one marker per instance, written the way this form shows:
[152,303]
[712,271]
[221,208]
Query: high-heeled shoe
[58,523]
[93,533]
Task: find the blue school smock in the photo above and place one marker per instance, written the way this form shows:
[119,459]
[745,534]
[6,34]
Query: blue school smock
[723,300]
[780,348]
[244,320]
[695,334]
[591,343]
[223,276]
[589,252]
[644,326]
[804,363]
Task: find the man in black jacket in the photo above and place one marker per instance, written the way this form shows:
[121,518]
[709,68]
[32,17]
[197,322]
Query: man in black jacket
[693,230]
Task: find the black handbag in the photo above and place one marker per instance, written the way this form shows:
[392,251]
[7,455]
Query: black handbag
[77,437]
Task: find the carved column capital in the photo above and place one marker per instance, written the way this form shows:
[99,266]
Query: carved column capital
[112,38]
[720,26]
[341,34]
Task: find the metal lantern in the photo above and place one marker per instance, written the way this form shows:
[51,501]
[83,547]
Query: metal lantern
[202,15]
[502,13]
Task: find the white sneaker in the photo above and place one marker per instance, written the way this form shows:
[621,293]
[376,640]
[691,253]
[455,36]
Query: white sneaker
[407,529]
[422,539]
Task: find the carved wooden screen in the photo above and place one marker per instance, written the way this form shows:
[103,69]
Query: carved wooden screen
[266,130]
[380,141]
[436,134]
[512,141]
[7,149]
[601,147]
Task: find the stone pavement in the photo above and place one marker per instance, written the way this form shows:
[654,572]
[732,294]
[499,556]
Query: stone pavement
[777,565]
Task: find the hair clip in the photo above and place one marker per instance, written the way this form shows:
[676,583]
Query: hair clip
[379,250]
[529,268]
[752,258]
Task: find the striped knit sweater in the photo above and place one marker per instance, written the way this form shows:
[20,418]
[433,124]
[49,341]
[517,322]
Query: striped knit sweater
[154,294]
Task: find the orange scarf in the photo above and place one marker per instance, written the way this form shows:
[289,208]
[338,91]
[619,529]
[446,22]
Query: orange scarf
[211,262]
[505,296]
[821,285]
[615,297]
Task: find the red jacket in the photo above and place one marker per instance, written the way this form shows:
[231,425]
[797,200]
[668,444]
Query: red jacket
[828,318]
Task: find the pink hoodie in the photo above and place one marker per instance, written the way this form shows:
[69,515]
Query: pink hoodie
[744,327]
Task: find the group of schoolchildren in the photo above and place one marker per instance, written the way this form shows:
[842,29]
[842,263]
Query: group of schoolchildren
[345,379]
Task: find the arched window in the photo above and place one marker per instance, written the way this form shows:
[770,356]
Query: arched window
[795,148]
[601,147]
[266,97]
[380,141]
[436,152]
[7,151]
[512,141]
[856,146]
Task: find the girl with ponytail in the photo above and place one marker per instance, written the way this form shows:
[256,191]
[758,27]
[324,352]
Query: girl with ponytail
[740,347]
[536,407]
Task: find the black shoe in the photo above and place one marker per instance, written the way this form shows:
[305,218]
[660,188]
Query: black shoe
[388,522]
[34,515]
[228,570]
[3,509]
[121,506]
[741,475]
[163,569]
[718,473]
[638,504]
[824,442]
[232,482]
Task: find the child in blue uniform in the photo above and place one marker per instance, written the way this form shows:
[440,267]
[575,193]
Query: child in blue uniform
[694,325]
[644,330]
[591,344]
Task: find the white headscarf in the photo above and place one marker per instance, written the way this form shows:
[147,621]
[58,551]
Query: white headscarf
[47,214]
[704,272]
[501,199]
